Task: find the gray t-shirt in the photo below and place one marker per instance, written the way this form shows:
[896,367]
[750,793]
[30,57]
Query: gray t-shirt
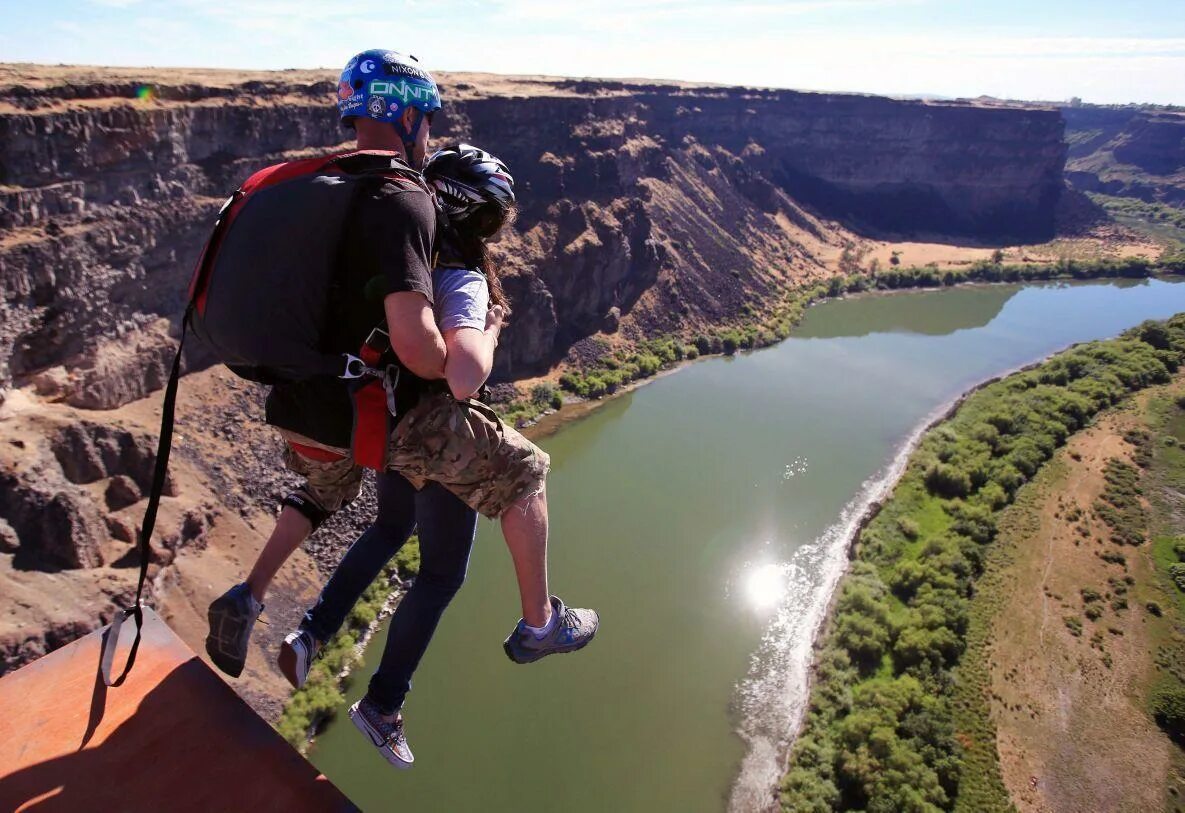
[461,298]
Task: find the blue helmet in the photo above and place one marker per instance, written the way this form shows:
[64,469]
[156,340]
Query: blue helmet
[382,84]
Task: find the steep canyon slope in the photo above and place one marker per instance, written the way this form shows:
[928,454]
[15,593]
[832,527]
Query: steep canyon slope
[1127,152]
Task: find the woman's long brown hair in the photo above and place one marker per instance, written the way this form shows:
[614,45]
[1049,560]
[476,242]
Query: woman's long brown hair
[475,249]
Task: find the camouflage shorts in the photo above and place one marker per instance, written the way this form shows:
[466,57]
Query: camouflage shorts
[466,448]
[332,478]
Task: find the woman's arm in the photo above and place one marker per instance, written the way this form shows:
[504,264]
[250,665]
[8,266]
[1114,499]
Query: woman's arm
[470,355]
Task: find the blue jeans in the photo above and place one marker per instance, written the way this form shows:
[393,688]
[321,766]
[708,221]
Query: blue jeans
[447,527]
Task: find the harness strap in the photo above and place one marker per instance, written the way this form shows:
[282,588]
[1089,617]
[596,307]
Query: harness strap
[373,399]
[164,446]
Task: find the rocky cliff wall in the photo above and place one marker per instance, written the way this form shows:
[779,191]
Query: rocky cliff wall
[645,208]
[1127,152]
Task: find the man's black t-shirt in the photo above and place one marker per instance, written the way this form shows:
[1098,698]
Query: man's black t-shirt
[386,248]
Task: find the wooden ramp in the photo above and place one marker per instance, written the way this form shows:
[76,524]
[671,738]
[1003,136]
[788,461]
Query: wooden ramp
[173,737]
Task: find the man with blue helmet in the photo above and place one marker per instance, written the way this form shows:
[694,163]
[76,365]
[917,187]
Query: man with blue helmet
[388,87]
[385,257]
[382,259]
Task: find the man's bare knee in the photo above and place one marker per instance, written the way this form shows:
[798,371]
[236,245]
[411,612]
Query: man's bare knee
[527,502]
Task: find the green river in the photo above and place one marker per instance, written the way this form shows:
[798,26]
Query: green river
[705,517]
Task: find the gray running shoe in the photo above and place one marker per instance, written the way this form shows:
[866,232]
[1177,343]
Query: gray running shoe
[384,733]
[296,656]
[572,631]
[231,615]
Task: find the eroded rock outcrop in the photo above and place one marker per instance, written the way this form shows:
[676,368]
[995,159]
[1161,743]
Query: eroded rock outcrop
[62,498]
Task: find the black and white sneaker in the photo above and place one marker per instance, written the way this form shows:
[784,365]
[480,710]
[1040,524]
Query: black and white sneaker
[385,732]
[296,656]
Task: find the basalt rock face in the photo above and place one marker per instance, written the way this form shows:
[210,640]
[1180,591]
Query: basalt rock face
[60,501]
[1127,152]
[644,208]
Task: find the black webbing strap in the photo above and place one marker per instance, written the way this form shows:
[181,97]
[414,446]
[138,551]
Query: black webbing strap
[164,445]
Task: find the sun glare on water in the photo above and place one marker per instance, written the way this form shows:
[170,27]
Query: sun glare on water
[766,585]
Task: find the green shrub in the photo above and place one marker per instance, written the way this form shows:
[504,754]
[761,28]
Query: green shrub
[648,365]
[542,395]
[407,560]
[947,481]
[574,383]
[1177,574]
[1179,549]
[1168,709]
[973,521]
[908,527]
[1114,557]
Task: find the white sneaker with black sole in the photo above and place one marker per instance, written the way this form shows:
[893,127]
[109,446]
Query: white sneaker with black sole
[385,733]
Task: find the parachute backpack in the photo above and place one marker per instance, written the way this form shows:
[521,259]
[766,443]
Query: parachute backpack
[259,299]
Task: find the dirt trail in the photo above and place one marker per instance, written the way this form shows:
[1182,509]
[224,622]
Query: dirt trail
[1072,732]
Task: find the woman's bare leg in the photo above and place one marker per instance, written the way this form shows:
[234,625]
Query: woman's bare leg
[292,528]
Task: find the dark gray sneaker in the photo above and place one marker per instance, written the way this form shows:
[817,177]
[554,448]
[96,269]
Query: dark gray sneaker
[572,631]
[385,733]
[232,616]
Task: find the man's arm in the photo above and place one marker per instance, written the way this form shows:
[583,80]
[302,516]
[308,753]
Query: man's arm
[414,335]
[470,355]
[399,224]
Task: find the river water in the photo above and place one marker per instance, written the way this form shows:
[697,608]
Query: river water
[705,516]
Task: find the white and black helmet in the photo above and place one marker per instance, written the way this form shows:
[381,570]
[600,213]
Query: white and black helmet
[474,187]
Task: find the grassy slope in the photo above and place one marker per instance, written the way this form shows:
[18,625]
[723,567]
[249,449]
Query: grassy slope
[1165,419]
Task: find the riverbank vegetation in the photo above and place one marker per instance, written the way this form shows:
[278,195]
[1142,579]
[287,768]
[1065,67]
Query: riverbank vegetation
[895,721]
[754,329]
[321,695]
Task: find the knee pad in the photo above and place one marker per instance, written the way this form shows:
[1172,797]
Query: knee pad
[314,513]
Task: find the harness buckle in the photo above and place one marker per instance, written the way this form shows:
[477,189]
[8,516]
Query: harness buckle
[357,368]
[378,339]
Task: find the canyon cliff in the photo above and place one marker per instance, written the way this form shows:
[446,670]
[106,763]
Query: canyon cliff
[667,205]
[645,209]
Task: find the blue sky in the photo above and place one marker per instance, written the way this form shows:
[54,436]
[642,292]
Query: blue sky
[1039,49]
